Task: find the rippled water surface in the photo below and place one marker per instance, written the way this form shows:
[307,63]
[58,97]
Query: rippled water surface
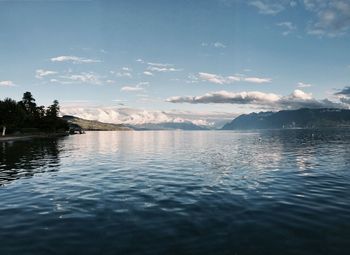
[164,192]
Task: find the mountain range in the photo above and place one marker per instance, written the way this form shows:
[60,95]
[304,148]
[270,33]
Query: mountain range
[302,118]
[93,125]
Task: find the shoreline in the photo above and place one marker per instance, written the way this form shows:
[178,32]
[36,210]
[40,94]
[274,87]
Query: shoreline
[11,138]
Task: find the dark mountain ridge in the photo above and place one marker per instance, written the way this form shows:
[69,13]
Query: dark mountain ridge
[301,118]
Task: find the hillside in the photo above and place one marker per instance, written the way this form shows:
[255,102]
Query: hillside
[302,118]
[93,125]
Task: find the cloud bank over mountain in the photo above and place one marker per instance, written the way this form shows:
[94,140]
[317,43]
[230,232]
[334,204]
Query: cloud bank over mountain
[139,116]
[297,99]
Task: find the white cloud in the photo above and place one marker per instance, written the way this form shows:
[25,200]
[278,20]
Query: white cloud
[257,80]
[74,59]
[40,73]
[304,85]
[135,88]
[159,64]
[213,78]
[148,73]
[131,88]
[162,69]
[219,45]
[126,69]
[219,79]
[7,84]
[297,99]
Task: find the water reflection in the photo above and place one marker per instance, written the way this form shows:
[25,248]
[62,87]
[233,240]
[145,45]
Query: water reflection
[178,193]
[24,159]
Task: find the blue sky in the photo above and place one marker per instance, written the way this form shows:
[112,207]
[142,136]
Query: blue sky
[159,60]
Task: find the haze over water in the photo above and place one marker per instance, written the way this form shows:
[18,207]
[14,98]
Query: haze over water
[172,192]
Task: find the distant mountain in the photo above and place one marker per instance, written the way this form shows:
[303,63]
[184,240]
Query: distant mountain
[169,126]
[302,118]
[94,125]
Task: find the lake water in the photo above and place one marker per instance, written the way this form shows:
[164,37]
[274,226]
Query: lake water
[173,192]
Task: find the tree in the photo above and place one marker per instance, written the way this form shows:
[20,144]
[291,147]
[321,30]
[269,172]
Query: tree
[28,102]
[53,110]
[27,116]
[11,115]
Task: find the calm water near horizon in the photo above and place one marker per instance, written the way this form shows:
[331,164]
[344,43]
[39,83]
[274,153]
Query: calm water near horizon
[176,192]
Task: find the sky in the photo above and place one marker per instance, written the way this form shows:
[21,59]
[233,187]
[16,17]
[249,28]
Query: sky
[149,61]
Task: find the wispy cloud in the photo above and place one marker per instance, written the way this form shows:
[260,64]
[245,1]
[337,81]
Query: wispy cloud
[159,64]
[40,73]
[131,88]
[297,99]
[214,44]
[84,78]
[332,17]
[304,85]
[219,79]
[268,7]
[219,45]
[213,78]
[326,17]
[123,72]
[257,80]
[74,59]
[161,67]
[288,27]
[135,88]
[140,60]
[148,73]
[7,84]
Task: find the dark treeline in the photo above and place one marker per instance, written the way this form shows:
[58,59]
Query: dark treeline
[26,117]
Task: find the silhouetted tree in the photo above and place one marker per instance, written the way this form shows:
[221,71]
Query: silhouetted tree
[26,114]
[11,115]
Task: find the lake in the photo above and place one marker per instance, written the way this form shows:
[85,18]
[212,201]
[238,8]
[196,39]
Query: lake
[177,192]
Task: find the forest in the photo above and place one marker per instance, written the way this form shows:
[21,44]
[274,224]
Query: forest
[26,116]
